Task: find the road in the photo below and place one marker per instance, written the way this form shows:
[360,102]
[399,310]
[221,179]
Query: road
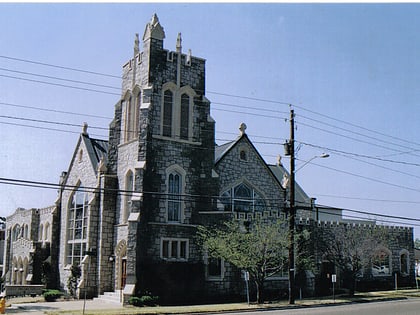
[400,307]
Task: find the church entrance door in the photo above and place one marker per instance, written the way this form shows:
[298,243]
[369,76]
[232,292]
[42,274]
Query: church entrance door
[123,272]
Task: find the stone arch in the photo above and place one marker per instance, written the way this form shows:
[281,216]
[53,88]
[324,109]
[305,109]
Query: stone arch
[381,261]
[258,198]
[175,197]
[16,232]
[404,260]
[47,231]
[41,232]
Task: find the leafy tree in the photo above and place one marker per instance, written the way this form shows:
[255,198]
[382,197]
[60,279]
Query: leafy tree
[75,274]
[259,247]
[350,248]
[417,243]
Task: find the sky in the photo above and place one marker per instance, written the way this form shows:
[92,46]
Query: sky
[350,72]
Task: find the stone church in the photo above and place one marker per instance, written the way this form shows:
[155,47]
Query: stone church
[128,208]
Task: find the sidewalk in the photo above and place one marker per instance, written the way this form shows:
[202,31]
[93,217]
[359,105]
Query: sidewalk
[36,306]
[40,308]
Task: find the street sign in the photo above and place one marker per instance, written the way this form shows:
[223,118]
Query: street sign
[334,278]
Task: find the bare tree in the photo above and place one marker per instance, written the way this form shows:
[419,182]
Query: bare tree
[259,247]
[351,248]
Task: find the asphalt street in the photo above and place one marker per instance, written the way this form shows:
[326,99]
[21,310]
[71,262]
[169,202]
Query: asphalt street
[396,307]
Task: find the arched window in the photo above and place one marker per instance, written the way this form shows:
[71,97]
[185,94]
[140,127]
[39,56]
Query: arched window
[167,113]
[131,108]
[77,225]
[16,232]
[47,231]
[80,158]
[185,116]
[242,198]
[129,120]
[129,188]
[177,111]
[41,232]
[381,262]
[174,197]
[404,262]
[242,155]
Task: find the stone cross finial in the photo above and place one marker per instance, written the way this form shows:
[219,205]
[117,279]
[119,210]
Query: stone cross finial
[85,128]
[242,128]
[136,45]
[179,43]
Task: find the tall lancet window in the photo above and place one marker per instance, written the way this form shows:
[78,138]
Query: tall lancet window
[132,117]
[167,113]
[77,223]
[128,194]
[128,117]
[185,116]
[174,197]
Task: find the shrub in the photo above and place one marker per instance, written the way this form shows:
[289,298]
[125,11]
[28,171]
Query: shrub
[52,295]
[134,300]
[149,300]
[145,300]
[75,274]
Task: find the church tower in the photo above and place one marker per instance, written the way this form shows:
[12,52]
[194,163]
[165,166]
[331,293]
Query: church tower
[162,152]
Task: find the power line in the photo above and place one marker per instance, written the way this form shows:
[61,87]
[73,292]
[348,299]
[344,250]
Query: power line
[358,155]
[260,142]
[54,110]
[224,94]
[39,184]
[224,104]
[372,213]
[60,79]
[60,85]
[60,67]
[45,128]
[369,199]
[356,133]
[350,138]
[367,178]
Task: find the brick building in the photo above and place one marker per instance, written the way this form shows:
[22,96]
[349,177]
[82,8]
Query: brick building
[128,208]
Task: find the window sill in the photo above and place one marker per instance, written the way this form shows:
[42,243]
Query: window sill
[176,140]
[174,259]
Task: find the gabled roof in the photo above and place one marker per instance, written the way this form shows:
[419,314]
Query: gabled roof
[96,148]
[221,150]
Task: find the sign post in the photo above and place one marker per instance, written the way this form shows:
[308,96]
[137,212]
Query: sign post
[334,280]
[246,277]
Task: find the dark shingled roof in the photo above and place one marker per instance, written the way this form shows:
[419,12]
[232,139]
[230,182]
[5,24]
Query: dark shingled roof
[96,150]
[220,150]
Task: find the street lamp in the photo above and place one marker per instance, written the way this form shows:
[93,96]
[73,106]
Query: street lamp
[321,156]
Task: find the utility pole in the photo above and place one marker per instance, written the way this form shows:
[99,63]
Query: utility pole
[292,211]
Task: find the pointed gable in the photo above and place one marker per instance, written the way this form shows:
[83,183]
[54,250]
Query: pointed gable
[96,149]
[86,157]
[239,164]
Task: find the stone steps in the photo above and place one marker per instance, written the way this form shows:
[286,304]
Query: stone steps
[112,297]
